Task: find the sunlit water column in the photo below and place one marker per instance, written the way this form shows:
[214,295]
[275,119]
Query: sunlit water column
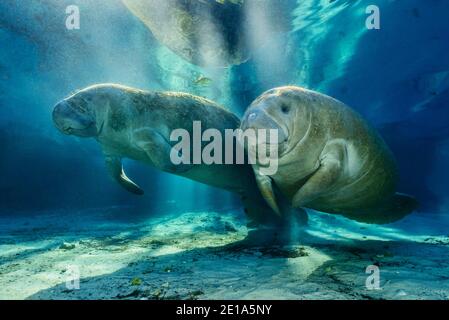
[179,75]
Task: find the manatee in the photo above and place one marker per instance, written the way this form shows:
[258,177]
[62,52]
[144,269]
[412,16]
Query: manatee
[329,158]
[210,33]
[135,124]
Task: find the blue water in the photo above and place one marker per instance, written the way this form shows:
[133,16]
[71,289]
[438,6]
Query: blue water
[397,77]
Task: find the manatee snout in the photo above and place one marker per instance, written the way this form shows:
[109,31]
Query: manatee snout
[73,121]
[257,118]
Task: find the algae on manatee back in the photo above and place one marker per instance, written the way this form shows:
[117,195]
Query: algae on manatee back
[186,22]
[136,282]
[210,33]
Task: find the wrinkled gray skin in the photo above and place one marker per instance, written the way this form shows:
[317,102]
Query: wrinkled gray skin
[210,33]
[134,124]
[330,159]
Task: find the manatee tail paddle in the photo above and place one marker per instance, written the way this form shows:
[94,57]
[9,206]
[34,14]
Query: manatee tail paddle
[399,206]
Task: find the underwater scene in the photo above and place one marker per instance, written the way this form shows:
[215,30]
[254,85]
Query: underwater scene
[224,149]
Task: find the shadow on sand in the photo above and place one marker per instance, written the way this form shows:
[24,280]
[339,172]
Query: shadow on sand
[313,263]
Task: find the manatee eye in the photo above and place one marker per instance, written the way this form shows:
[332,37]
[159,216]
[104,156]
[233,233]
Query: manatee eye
[285,108]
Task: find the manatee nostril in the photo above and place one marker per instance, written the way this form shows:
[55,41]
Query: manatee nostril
[252,116]
[250,119]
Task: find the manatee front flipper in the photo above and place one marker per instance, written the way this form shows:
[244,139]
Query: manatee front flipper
[393,209]
[158,150]
[115,168]
[260,213]
[265,185]
[323,179]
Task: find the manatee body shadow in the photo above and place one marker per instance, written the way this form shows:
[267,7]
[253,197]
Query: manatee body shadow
[200,273]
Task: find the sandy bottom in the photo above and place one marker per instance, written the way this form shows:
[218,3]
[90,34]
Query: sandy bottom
[209,255]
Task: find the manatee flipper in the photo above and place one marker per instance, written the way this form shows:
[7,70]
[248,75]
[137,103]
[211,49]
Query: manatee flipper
[324,177]
[115,169]
[158,150]
[258,212]
[396,208]
[265,185]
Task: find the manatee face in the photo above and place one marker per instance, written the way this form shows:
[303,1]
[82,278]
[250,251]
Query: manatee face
[271,111]
[73,117]
[85,113]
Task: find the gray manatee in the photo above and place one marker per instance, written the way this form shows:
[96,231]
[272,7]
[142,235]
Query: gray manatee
[135,124]
[329,158]
[212,32]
